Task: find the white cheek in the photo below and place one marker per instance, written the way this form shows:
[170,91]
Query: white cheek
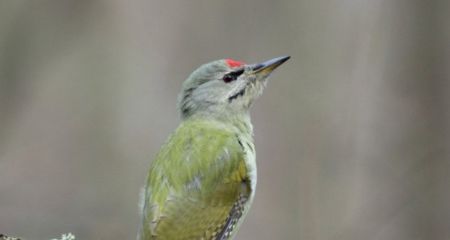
[236,87]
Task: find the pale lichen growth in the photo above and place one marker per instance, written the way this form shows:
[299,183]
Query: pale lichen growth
[4,237]
[67,236]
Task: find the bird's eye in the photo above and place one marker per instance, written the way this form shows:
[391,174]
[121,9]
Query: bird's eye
[229,78]
[232,76]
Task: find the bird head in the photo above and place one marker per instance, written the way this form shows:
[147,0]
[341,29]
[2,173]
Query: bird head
[224,87]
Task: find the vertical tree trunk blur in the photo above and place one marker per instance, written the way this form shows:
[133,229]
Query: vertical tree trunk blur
[400,96]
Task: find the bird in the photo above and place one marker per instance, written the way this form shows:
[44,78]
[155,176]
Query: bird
[202,182]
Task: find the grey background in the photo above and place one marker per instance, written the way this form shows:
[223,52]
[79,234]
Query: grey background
[352,134]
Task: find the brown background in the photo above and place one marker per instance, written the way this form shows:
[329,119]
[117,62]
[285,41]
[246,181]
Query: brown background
[352,134]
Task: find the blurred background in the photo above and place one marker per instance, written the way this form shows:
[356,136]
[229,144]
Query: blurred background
[352,134]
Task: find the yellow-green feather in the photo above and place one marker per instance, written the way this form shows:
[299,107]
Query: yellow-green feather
[193,183]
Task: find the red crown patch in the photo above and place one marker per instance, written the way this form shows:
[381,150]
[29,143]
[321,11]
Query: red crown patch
[233,63]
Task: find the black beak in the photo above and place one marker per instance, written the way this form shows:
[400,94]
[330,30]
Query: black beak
[267,67]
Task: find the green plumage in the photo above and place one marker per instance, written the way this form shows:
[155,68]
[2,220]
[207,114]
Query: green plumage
[197,184]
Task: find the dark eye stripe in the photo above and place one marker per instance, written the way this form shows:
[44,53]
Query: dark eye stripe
[232,76]
[237,72]
[228,78]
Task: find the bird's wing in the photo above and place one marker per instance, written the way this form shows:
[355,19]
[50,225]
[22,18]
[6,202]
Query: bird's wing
[197,186]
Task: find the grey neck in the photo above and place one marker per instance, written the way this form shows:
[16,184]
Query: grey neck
[241,122]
